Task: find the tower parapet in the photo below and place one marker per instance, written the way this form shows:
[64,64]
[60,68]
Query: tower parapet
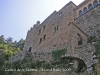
[38,23]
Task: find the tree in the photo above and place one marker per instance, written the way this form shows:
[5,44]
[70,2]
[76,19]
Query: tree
[15,44]
[8,54]
[2,40]
[9,40]
[21,44]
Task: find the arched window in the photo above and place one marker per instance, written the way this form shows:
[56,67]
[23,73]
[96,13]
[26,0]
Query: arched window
[85,10]
[90,6]
[29,49]
[95,3]
[80,13]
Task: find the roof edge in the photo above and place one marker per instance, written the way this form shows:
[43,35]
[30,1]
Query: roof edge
[78,28]
[85,1]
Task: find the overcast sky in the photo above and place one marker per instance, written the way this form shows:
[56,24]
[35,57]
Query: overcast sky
[18,16]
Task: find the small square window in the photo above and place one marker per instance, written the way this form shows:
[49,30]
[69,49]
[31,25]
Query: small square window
[40,40]
[60,14]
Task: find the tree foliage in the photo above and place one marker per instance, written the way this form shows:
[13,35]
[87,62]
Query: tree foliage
[20,44]
[9,47]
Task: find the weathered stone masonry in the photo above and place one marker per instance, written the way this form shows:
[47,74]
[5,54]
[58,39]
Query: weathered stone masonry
[68,28]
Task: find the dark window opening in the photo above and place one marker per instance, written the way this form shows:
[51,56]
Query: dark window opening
[95,3]
[40,40]
[90,7]
[80,42]
[43,27]
[30,49]
[44,37]
[39,31]
[80,13]
[57,27]
[60,14]
[85,10]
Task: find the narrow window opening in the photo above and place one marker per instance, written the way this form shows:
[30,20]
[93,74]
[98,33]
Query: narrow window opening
[44,37]
[40,40]
[43,27]
[57,27]
[95,3]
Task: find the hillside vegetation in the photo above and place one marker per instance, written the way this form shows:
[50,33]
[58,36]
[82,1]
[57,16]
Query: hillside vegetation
[8,49]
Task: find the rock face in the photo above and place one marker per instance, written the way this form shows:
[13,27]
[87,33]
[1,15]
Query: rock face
[65,29]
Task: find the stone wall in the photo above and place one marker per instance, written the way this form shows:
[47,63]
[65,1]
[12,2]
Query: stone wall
[76,34]
[90,22]
[81,6]
[63,30]
[56,30]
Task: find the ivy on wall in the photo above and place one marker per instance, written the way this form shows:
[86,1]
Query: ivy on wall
[97,47]
[56,54]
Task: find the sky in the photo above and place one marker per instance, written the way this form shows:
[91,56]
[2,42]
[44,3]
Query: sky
[18,16]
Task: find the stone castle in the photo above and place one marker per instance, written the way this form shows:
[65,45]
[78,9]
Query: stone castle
[70,28]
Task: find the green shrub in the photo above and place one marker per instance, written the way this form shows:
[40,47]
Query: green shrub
[56,55]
